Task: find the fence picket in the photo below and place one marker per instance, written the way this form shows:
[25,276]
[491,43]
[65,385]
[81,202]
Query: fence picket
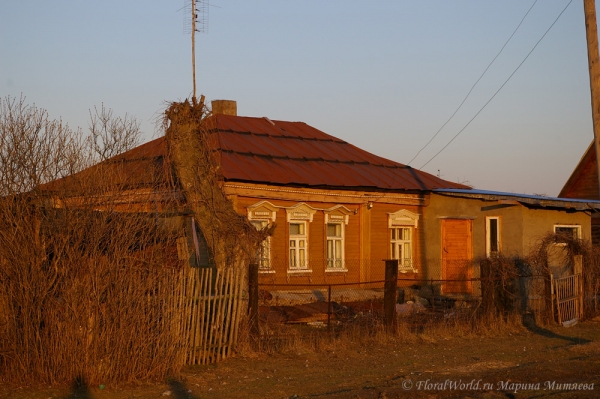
[207,313]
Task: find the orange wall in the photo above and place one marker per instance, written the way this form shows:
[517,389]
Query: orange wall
[375,236]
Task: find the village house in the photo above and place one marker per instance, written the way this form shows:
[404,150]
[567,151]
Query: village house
[583,183]
[337,211]
[476,224]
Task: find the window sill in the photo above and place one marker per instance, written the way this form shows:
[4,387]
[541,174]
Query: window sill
[266,271]
[412,271]
[299,271]
[336,270]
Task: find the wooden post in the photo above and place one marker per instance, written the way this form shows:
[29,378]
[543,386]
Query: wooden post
[253,301]
[389,294]
[329,309]
[432,294]
[578,264]
[591,32]
[578,271]
[487,293]
[552,299]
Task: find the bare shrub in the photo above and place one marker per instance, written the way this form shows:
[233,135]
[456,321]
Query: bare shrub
[569,247]
[499,290]
[112,135]
[88,280]
[591,281]
[34,149]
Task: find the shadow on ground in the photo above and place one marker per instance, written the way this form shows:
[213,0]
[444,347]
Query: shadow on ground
[530,324]
[79,389]
[180,391]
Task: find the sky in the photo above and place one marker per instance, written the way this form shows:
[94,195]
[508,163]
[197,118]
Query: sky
[384,75]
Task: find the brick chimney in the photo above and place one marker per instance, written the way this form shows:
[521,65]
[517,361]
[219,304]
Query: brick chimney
[224,107]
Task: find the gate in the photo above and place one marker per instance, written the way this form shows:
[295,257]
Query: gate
[212,310]
[568,294]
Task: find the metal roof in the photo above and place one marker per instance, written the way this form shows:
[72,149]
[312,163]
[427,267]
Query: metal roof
[261,150]
[258,150]
[525,199]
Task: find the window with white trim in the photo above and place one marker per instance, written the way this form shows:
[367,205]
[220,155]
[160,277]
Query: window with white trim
[298,217]
[298,245]
[335,245]
[402,225]
[401,246]
[492,236]
[261,215]
[263,253]
[567,232]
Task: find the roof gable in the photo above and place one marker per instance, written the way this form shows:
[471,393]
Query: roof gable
[583,182]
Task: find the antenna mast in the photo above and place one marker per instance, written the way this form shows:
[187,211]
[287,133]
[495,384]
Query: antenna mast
[198,10]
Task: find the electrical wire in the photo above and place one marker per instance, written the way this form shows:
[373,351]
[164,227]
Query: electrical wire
[503,84]
[475,84]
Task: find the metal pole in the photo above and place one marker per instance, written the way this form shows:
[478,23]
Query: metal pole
[194,49]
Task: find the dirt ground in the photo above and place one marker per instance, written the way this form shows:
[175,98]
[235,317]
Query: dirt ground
[551,362]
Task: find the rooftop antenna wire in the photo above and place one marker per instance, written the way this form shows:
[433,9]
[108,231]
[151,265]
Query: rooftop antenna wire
[501,87]
[475,84]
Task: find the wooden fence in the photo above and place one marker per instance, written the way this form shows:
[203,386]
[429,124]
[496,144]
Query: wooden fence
[211,305]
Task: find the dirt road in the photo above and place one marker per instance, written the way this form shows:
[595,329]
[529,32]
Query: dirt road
[554,362]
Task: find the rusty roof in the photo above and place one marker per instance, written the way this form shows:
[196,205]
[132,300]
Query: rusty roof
[259,150]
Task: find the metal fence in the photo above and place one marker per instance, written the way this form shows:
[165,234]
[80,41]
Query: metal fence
[429,288]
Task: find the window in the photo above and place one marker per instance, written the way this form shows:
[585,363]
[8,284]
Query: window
[335,246]
[263,253]
[566,232]
[298,246]
[402,224]
[492,236]
[401,243]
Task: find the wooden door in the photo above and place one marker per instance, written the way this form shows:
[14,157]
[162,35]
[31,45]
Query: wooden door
[457,254]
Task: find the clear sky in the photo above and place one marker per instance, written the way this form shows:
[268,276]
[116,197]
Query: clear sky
[383,75]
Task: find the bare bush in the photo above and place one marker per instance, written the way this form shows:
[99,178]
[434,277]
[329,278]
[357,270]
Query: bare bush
[34,149]
[112,135]
[499,285]
[87,280]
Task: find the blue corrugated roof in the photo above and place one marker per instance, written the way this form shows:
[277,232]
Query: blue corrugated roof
[524,198]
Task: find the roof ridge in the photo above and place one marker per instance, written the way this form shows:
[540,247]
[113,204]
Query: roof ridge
[395,165]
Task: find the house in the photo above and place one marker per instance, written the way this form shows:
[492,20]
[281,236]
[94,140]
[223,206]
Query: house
[336,211]
[583,183]
[475,224]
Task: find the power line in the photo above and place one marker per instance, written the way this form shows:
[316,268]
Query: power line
[503,84]
[475,84]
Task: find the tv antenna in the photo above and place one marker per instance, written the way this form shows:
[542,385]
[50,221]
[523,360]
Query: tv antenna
[197,10]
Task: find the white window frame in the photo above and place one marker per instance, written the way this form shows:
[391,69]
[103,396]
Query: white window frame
[265,213]
[300,243]
[398,246]
[403,219]
[488,236]
[300,213]
[575,227]
[263,253]
[333,262]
